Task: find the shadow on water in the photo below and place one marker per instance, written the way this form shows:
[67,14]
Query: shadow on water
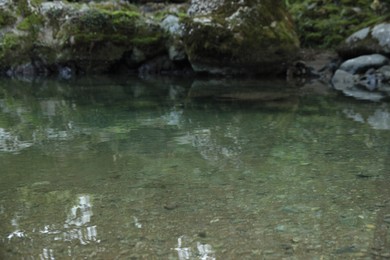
[191,169]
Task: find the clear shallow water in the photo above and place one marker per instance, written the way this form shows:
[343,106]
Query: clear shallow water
[132,169]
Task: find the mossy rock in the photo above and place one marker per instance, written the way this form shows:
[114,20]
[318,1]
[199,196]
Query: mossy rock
[98,36]
[369,40]
[241,38]
[14,50]
[7,18]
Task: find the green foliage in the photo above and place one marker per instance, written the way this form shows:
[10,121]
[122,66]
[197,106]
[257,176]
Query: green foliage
[326,23]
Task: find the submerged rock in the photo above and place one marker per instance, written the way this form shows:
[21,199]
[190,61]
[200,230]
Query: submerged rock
[239,37]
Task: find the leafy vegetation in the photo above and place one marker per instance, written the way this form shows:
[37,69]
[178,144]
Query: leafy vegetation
[326,23]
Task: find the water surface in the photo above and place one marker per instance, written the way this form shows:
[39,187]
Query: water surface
[177,169]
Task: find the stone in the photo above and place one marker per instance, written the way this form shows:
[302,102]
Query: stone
[204,7]
[347,83]
[363,63]
[243,37]
[343,80]
[93,37]
[385,72]
[369,40]
[65,72]
[172,25]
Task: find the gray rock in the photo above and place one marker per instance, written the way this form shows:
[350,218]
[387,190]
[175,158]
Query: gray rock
[357,36]
[5,3]
[343,80]
[375,39]
[175,45]
[137,55]
[381,33]
[176,53]
[347,83]
[65,72]
[385,72]
[363,63]
[52,6]
[204,7]
[371,80]
[171,24]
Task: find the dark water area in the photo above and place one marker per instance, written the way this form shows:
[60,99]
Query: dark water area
[102,168]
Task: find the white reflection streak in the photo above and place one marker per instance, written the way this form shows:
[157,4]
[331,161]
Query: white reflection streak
[204,251]
[17,232]
[174,117]
[9,142]
[183,252]
[137,224]
[380,120]
[47,254]
[84,210]
[79,216]
[49,230]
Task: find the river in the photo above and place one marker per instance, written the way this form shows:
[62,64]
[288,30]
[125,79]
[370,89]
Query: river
[99,168]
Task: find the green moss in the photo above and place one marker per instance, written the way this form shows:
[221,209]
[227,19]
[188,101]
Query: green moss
[238,40]
[9,42]
[23,7]
[31,23]
[6,18]
[12,49]
[147,40]
[115,6]
[102,25]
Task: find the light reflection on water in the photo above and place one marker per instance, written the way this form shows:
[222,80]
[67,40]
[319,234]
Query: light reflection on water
[180,170]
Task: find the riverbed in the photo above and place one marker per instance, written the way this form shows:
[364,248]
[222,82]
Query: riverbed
[101,168]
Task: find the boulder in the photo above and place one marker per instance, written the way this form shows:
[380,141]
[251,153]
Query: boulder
[89,37]
[363,63]
[369,40]
[239,37]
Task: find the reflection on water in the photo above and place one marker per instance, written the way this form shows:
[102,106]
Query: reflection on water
[167,169]
[204,251]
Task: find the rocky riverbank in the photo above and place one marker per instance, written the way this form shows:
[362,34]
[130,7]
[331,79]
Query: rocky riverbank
[227,38]
[66,38]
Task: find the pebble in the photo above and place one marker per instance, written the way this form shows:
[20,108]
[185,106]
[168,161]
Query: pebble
[171,206]
[370,226]
[202,234]
[295,240]
[280,228]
